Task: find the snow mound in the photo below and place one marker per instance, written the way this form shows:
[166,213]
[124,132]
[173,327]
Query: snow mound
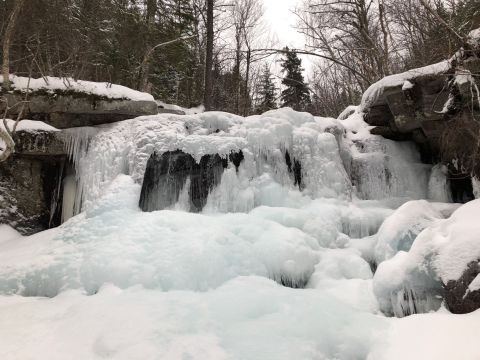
[412,281]
[399,230]
[246,318]
[52,84]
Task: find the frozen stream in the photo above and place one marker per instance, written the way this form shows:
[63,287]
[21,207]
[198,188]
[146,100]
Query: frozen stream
[278,264]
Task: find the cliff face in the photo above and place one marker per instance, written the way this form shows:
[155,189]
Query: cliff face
[438,107]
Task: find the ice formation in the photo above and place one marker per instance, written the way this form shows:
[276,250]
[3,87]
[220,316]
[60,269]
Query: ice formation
[278,262]
[412,281]
[324,157]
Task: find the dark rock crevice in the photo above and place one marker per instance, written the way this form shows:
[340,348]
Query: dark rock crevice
[167,174]
[294,168]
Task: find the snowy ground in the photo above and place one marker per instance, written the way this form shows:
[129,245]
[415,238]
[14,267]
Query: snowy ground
[264,272]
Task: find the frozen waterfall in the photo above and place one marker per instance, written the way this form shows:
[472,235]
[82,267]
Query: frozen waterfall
[276,236]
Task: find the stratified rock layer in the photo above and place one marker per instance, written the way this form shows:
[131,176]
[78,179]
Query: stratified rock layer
[438,108]
[68,109]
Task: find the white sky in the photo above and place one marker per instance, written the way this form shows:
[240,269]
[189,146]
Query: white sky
[279,16]
[278,13]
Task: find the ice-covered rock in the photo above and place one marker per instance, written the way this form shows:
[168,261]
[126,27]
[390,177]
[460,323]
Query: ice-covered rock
[65,102]
[440,260]
[437,107]
[399,230]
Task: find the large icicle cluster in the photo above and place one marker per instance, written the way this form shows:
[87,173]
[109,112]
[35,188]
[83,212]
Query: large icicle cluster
[331,158]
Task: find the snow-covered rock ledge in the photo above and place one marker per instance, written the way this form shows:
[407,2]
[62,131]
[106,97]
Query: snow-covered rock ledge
[437,107]
[65,102]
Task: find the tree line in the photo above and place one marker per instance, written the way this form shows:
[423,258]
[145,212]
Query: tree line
[219,53]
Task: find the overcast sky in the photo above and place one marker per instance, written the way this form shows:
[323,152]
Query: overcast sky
[278,14]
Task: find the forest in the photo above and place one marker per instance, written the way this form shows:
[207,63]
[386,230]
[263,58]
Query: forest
[220,52]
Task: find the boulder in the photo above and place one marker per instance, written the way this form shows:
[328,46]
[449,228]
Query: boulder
[30,182]
[463,295]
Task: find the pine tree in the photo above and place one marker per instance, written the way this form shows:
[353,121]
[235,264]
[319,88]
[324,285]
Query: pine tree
[296,94]
[266,91]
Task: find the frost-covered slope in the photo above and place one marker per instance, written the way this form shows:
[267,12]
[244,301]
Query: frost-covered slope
[277,265]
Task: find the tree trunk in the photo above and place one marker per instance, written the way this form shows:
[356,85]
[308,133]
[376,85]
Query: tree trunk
[209,58]
[144,84]
[237,71]
[7,39]
[246,103]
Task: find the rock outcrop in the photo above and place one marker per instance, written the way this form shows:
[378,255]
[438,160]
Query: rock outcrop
[30,182]
[460,296]
[65,102]
[66,109]
[438,107]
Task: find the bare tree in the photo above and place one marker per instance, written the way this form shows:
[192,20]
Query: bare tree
[7,39]
[209,57]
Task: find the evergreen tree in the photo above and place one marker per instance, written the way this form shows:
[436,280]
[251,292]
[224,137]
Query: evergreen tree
[266,91]
[296,94]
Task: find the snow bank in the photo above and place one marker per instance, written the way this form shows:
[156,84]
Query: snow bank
[439,336]
[439,253]
[52,84]
[246,318]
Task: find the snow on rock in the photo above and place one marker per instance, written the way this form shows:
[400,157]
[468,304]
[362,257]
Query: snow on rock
[399,230]
[475,284]
[349,110]
[52,84]
[28,125]
[187,111]
[375,91]
[412,281]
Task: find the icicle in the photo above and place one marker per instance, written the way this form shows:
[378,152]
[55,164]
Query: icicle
[409,301]
[69,202]
[77,141]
